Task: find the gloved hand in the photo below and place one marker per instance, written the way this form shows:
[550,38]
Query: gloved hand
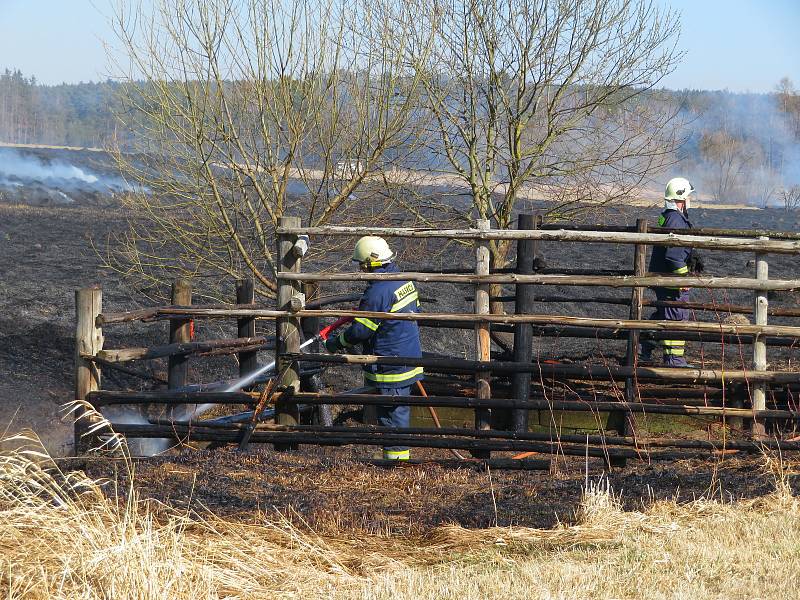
[695,263]
[333,345]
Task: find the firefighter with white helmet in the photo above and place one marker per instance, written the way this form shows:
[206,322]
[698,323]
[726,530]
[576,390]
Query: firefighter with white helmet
[673,261]
[385,337]
[372,251]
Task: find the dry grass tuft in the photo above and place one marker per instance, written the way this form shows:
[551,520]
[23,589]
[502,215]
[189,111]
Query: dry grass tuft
[600,520]
[61,537]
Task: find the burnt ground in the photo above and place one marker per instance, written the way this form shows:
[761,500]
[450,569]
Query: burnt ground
[331,492]
[45,254]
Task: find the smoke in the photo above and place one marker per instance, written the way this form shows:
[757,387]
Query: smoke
[740,147]
[52,177]
[12,164]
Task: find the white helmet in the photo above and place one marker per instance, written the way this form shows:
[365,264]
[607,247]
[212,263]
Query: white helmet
[372,251]
[678,188]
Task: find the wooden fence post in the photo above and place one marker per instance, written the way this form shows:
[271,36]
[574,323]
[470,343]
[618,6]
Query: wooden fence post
[482,339]
[623,421]
[523,332]
[759,344]
[88,341]
[637,298]
[245,294]
[180,331]
[310,327]
[287,329]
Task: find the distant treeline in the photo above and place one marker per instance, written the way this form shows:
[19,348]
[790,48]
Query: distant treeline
[742,146]
[60,115]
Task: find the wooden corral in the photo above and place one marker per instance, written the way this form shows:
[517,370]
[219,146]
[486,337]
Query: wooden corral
[516,404]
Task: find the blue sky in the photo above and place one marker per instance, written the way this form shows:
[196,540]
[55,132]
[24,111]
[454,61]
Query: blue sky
[741,45]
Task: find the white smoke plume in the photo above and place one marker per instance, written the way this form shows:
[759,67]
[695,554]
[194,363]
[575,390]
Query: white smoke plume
[25,174]
[12,164]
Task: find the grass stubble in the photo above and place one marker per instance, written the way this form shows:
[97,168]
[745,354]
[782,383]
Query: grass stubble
[63,536]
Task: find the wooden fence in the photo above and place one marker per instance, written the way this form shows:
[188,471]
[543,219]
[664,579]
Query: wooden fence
[508,388]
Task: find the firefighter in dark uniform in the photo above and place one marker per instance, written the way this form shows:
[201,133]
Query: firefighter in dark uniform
[385,337]
[673,261]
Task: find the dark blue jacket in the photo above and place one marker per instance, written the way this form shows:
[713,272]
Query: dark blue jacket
[671,260]
[387,337]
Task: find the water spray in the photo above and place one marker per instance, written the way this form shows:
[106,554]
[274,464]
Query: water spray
[243,382]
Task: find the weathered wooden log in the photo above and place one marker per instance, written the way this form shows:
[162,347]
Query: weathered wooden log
[549,437]
[105,398]
[163,312]
[227,351]
[561,331]
[231,346]
[523,332]
[88,342]
[287,328]
[127,371]
[701,306]
[563,235]
[684,392]
[142,314]
[547,404]
[635,313]
[549,271]
[101,398]
[482,339]
[759,346]
[180,332]
[232,434]
[621,324]
[246,328]
[712,231]
[653,280]
[703,231]
[544,370]
[210,347]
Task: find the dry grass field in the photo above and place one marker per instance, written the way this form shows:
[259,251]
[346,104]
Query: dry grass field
[63,535]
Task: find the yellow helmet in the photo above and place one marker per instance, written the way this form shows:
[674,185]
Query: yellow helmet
[372,251]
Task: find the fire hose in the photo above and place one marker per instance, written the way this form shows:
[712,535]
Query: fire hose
[254,375]
[435,418]
[323,334]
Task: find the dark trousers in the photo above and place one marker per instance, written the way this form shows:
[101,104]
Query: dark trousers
[674,350]
[394,415]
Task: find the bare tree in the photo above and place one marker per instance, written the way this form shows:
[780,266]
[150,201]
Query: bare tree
[789,103]
[791,198]
[544,99]
[242,112]
[729,158]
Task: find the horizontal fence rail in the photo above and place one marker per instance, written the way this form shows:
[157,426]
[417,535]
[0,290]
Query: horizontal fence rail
[641,443]
[740,283]
[107,398]
[562,235]
[702,231]
[616,324]
[233,434]
[581,371]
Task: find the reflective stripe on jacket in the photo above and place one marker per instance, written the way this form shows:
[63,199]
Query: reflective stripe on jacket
[387,337]
[672,260]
